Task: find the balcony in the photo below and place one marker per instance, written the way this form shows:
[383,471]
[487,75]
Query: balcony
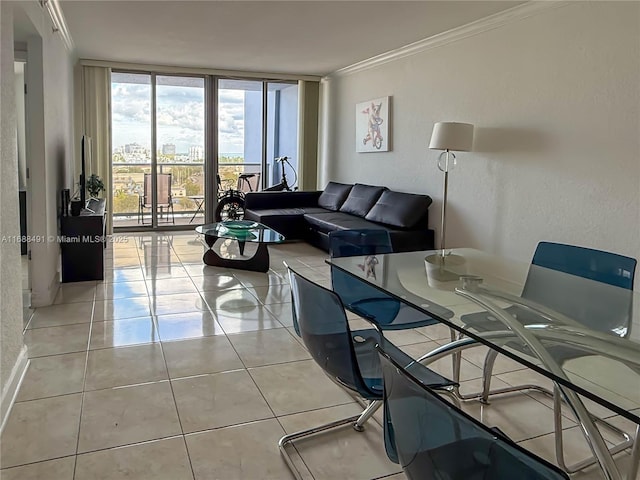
[187,191]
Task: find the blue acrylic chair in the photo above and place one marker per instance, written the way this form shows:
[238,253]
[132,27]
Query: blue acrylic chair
[431,438]
[360,298]
[348,357]
[580,296]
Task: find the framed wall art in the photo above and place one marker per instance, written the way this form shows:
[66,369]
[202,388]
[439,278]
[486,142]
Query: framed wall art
[373,125]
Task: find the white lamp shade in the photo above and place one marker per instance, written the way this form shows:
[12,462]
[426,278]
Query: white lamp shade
[452,136]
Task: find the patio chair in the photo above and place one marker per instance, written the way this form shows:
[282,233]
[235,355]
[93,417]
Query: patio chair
[347,357]
[165,199]
[431,438]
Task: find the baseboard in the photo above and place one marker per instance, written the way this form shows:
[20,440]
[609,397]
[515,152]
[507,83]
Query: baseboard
[12,386]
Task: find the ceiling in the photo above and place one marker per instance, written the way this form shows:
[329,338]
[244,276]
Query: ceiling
[298,37]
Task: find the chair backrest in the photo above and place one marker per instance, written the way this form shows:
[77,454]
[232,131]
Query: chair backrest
[320,320]
[352,292]
[164,190]
[595,291]
[434,439]
[146,195]
[249,182]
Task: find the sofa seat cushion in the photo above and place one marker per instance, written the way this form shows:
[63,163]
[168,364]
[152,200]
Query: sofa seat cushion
[330,221]
[287,221]
[361,198]
[279,212]
[334,196]
[402,210]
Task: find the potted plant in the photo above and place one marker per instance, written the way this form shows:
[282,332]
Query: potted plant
[94,185]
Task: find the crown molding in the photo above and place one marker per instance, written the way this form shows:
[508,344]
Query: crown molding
[59,22]
[168,69]
[491,22]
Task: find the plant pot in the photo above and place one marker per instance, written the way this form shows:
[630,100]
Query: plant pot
[444,271]
[76,207]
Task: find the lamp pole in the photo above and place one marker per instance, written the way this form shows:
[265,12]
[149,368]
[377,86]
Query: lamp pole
[444,205]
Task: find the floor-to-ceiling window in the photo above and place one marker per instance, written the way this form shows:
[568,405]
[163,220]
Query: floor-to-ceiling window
[130,146]
[160,138]
[240,134]
[282,132]
[157,150]
[180,150]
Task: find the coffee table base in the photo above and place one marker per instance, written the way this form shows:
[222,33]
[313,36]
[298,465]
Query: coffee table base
[258,263]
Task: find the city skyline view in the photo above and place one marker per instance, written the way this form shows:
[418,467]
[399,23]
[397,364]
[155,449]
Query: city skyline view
[179,114]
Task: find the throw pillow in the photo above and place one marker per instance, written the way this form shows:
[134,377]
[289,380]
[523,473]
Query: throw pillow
[403,210]
[361,198]
[334,196]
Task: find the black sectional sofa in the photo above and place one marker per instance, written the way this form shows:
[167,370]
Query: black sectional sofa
[311,216]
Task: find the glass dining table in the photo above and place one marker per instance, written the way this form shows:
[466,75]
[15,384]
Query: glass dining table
[582,334]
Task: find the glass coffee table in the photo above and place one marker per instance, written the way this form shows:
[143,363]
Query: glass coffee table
[243,231]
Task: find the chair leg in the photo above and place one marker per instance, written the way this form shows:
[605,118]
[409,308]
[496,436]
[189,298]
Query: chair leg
[456,357]
[627,442]
[290,438]
[487,374]
[373,407]
[635,456]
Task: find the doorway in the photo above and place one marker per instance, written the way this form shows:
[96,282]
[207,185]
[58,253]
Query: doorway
[20,65]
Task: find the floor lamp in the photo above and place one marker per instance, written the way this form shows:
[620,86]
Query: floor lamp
[449,136]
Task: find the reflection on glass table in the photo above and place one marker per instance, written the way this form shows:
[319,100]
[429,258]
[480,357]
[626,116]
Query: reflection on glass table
[241,231]
[473,282]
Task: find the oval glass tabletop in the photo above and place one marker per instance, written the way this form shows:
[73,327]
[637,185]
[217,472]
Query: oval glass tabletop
[242,231]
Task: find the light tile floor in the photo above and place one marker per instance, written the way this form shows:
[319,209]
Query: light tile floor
[169,369]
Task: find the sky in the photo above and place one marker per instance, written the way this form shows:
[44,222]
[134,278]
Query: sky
[180,116]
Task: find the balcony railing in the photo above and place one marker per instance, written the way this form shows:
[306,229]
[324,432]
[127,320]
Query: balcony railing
[188,183]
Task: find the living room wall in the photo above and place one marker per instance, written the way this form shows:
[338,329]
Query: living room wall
[50,138]
[555,98]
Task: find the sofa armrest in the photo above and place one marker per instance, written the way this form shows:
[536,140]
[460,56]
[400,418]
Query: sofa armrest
[269,200]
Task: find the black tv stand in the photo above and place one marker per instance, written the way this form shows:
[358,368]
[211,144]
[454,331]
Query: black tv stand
[82,243]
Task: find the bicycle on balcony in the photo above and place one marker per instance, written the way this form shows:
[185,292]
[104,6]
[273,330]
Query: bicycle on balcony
[231,201]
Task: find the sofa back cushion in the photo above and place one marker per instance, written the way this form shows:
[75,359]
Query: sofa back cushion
[361,198]
[334,195]
[402,210]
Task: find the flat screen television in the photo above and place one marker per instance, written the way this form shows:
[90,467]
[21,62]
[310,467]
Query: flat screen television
[86,160]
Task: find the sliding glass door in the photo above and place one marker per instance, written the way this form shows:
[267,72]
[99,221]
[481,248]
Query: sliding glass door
[257,123]
[180,184]
[165,160]
[158,139]
[282,132]
[131,149]
[240,134]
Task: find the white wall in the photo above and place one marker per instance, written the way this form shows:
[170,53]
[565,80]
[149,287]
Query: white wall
[10,269]
[556,101]
[49,142]
[50,150]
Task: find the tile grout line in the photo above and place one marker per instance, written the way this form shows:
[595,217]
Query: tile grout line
[175,402]
[84,382]
[267,403]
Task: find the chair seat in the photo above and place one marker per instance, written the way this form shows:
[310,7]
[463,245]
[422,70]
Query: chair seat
[365,342]
[485,322]
[389,313]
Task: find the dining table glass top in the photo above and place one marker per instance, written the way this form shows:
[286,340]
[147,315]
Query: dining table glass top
[242,231]
[581,333]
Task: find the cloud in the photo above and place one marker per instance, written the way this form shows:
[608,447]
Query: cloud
[179,115]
